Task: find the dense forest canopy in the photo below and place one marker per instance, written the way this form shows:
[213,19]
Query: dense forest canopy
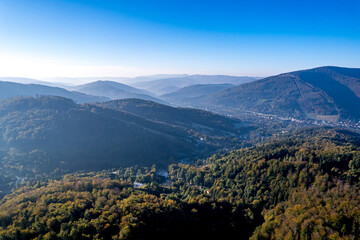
[304,185]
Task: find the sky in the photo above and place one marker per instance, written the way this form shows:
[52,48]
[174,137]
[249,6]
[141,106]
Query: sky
[62,38]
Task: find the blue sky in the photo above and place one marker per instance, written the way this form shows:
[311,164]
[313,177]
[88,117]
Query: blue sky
[53,38]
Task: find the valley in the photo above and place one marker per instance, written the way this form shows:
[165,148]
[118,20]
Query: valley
[179,120]
[122,161]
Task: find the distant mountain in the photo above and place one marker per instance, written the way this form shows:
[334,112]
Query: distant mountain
[193,94]
[156,77]
[126,80]
[34,81]
[12,89]
[166,85]
[168,89]
[115,90]
[195,120]
[325,93]
[21,80]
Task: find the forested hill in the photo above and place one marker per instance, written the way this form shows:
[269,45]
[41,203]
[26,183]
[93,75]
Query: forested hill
[189,118]
[192,95]
[327,93]
[45,134]
[48,133]
[304,185]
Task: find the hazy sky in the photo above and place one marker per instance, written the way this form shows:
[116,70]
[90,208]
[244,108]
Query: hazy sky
[53,38]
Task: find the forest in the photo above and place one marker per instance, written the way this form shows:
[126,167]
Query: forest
[302,185]
[52,136]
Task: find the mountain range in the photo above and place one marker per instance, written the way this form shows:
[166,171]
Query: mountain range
[12,90]
[324,93]
[167,85]
[125,80]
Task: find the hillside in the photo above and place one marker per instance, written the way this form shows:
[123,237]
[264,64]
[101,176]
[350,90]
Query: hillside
[12,90]
[298,186]
[115,90]
[194,120]
[326,93]
[167,85]
[193,95]
[54,135]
